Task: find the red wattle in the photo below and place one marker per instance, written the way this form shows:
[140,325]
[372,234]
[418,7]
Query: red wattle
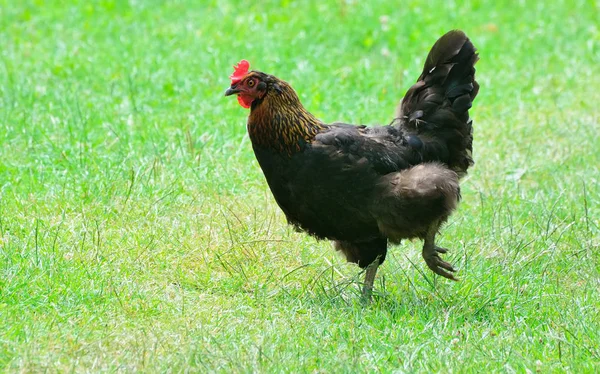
[245,101]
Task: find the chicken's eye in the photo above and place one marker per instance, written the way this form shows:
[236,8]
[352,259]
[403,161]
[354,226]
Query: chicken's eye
[251,83]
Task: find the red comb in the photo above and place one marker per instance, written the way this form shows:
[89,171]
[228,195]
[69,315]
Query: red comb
[241,69]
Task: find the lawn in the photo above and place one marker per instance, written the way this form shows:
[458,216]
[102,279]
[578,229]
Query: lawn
[137,232]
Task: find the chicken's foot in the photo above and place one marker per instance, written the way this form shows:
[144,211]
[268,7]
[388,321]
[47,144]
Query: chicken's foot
[369,280]
[431,255]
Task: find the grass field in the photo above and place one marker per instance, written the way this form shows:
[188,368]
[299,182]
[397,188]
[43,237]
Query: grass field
[137,232]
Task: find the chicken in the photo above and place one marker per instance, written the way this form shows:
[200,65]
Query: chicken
[364,187]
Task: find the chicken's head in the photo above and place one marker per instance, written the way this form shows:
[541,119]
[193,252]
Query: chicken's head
[249,86]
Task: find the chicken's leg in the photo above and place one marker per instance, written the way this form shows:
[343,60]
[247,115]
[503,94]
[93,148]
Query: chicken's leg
[431,254]
[369,279]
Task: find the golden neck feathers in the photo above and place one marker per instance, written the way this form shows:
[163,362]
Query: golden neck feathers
[280,122]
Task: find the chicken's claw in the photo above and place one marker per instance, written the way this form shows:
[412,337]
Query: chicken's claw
[437,265]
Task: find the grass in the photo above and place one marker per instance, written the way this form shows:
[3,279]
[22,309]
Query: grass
[137,232]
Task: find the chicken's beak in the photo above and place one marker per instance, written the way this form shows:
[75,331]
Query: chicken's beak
[231,91]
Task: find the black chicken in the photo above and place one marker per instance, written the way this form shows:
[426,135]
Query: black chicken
[364,186]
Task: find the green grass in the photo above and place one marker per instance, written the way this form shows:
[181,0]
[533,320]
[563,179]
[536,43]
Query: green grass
[137,231]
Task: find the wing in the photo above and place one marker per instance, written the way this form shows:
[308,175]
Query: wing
[385,149]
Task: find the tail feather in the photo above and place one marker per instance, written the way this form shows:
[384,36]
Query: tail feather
[436,107]
[455,56]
